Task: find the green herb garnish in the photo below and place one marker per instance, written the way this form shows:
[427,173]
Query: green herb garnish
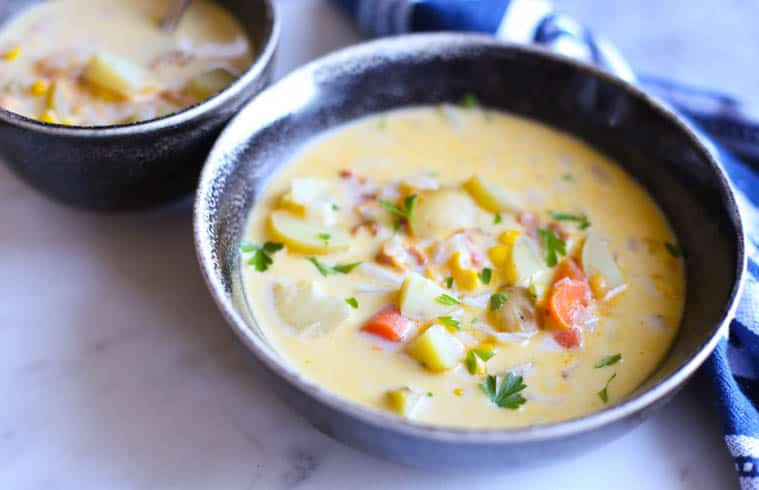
[609,360]
[582,221]
[497,301]
[473,354]
[324,237]
[554,246]
[327,270]
[448,282]
[508,395]
[261,259]
[408,205]
[450,323]
[447,300]
[469,101]
[604,394]
[352,301]
[335,207]
[485,275]
[568,178]
[429,394]
[674,250]
[497,218]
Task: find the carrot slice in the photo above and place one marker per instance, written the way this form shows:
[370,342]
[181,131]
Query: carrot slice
[568,338]
[568,297]
[389,324]
[569,268]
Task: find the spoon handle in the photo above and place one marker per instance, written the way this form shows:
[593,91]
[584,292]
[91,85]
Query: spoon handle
[174,14]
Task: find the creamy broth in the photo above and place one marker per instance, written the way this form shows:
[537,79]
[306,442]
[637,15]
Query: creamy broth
[432,152]
[101,62]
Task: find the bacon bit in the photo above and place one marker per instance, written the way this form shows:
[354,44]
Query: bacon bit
[371,226]
[371,196]
[563,234]
[385,259]
[401,255]
[568,338]
[418,255]
[376,348]
[476,257]
[529,220]
[345,174]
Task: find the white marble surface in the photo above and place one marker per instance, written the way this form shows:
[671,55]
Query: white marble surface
[117,372]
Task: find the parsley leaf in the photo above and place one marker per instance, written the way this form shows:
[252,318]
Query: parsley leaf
[324,237]
[408,205]
[447,300]
[449,322]
[261,259]
[352,301]
[497,218]
[674,250]
[609,360]
[554,246]
[335,207]
[448,282]
[508,395]
[485,275]
[604,394]
[469,101]
[582,221]
[471,358]
[327,270]
[568,178]
[497,301]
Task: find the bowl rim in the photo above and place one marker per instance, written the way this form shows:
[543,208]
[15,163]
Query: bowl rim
[251,74]
[276,363]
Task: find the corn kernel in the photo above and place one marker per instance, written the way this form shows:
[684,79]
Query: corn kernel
[39,88]
[465,278]
[432,274]
[49,116]
[287,202]
[69,122]
[498,255]
[509,237]
[458,391]
[598,285]
[12,54]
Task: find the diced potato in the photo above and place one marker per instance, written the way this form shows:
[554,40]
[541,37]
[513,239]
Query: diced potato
[525,262]
[597,259]
[418,298]
[517,314]
[117,74]
[403,401]
[490,197]
[303,237]
[303,304]
[210,83]
[310,199]
[440,212]
[436,348]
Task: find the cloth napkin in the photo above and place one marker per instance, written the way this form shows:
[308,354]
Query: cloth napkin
[733,368]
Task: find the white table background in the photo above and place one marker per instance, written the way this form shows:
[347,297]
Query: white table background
[117,371]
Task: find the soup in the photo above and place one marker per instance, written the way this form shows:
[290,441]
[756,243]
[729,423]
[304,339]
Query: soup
[463,267]
[105,62]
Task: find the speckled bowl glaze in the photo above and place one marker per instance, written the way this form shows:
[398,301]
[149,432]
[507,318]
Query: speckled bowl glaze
[651,142]
[137,165]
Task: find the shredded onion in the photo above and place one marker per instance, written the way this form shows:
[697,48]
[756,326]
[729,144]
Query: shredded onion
[508,337]
[370,289]
[381,274]
[480,301]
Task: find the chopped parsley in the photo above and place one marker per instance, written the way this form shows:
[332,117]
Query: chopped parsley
[554,246]
[473,355]
[450,323]
[352,301]
[327,270]
[324,237]
[568,178]
[604,393]
[609,360]
[497,301]
[469,101]
[674,250]
[497,218]
[335,207]
[429,394]
[582,221]
[261,259]
[485,275]
[406,212]
[445,299]
[448,282]
[508,395]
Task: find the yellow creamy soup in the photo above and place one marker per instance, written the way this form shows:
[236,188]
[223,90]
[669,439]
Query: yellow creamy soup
[101,62]
[463,267]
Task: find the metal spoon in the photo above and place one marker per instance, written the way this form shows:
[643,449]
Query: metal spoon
[174,14]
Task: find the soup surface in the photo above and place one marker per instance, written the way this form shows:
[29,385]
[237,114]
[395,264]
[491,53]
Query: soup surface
[103,62]
[463,267]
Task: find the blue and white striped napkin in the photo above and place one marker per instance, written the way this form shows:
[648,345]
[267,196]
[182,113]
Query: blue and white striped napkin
[734,366]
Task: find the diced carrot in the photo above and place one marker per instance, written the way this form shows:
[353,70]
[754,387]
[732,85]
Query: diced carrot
[566,300]
[389,324]
[569,268]
[568,338]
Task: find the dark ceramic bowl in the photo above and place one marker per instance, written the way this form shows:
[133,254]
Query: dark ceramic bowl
[137,165]
[648,140]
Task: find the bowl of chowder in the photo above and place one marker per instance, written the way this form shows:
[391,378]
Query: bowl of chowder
[445,250]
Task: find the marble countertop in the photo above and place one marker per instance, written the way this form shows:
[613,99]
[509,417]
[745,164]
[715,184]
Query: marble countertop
[117,371]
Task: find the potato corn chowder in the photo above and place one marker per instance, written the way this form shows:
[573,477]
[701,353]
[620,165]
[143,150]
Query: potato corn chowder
[104,62]
[463,267]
